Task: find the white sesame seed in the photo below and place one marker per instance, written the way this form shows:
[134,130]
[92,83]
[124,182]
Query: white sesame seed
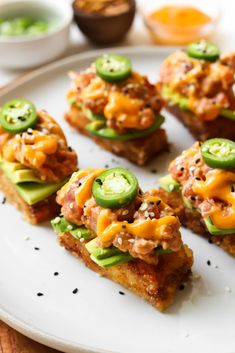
[151,214]
[144,206]
[125,212]
[146,214]
[135,214]
[131,240]
[71,205]
[171,187]
[79,234]
[26,237]
[82,240]
[119,240]
[69,227]
[56,220]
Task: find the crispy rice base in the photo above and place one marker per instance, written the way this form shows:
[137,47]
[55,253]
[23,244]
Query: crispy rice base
[193,220]
[201,130]
[156,284]
[40,212]
[138,151]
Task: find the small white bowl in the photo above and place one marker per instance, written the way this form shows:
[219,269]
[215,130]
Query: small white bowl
[21,52]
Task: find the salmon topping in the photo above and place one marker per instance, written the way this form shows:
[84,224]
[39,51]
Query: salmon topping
[207,85]
[131,104]
[209,190]
[139,228]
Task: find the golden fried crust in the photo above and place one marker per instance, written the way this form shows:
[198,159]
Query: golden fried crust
[193,220]
[40,212]
[204,130]
[139,151]
[156,284]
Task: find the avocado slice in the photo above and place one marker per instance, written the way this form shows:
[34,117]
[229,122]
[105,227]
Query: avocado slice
[212,229]
[10,166]
[160,251]
[113,260]
[61,225]
[31,188]
[18,173]
[169,184]
[102,253]
[227,113]
[93,116]
[99,128]
[35,192]
[82,233]
[174,98]
[187,203]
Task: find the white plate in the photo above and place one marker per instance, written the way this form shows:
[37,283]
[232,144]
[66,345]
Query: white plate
[98,318]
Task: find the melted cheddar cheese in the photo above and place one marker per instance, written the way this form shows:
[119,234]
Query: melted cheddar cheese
[95,90]
[141,228]
[218,186]
[124,109]
[34,148]
[84,192]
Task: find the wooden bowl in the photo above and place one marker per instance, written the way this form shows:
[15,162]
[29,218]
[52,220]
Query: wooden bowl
[104,30]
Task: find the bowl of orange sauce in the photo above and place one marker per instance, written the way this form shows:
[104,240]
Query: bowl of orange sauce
[178,22]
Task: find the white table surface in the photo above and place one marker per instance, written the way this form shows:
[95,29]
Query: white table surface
[224,36]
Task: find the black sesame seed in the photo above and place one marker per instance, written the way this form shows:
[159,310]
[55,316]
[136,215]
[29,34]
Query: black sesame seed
[39,294]
[197,178]
[197,161]
[70,149]
[208,262]
[158,202]
[123,226]
[106,166]
[232,188]
[36,248]
[29,133]
[193,198]
[121,293]
[4,200]
[181,287]
[75,291]
[151,203]
[21,118]
[98,181]
[79,184]
[182,168]
[154,171]
[56,273]
[210,241]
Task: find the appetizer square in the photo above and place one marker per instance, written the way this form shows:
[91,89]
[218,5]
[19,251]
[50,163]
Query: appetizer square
[35,160]
[201,191]
[130,237]
[197,86]
[117,108]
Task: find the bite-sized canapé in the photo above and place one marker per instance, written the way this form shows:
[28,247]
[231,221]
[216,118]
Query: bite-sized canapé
[118,108]
[130,236]
[197,86]
[35,160]
[201,190]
